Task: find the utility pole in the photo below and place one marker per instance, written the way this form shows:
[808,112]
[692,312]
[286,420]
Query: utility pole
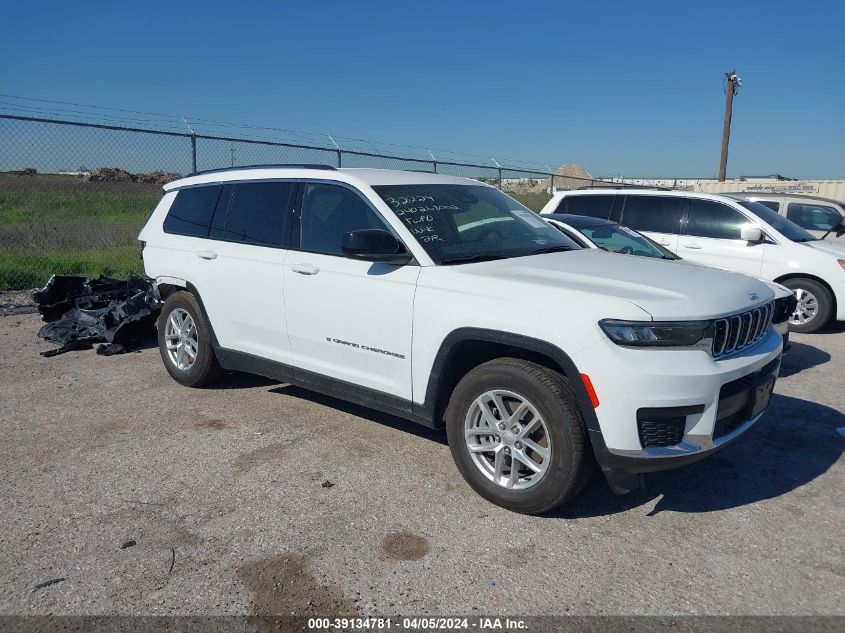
[732,84]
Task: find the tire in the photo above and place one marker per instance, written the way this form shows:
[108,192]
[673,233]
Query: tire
[814,300]
[189,369]
[566,467]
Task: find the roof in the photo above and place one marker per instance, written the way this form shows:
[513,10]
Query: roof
[577,221]
[675,193]
[353,176]
[763,195]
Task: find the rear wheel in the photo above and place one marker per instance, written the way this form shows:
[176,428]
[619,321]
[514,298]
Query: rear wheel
[815,305]
[517,435]
[185,343]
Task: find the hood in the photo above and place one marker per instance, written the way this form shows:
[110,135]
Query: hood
[665,289]
[836,249]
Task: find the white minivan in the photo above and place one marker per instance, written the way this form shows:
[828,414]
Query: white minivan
[728,232]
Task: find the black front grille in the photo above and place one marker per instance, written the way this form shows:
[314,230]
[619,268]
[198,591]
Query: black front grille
[666,432]
[728,425]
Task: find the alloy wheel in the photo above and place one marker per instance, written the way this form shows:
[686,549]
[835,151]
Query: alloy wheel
[806,309]
[180,337]
[507,439]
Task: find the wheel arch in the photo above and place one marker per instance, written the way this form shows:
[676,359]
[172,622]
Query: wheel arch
[170,286]
[466,348]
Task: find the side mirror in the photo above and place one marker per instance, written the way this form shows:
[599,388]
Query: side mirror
[374,245]
[751,233]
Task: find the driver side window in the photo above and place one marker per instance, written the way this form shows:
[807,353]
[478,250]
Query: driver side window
[328,213]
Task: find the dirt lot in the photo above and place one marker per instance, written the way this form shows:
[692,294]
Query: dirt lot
[223,492]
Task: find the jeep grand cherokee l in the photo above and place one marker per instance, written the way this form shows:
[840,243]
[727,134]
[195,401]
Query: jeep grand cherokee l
[446,302]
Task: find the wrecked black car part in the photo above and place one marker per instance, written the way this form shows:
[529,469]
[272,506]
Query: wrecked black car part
[80,312]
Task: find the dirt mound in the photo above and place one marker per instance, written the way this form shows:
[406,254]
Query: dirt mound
[116,174]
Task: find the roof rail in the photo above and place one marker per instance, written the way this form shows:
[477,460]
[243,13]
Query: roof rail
[618,185]
[270,166]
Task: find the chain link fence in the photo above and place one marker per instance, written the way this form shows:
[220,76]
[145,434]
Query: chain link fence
[73,196]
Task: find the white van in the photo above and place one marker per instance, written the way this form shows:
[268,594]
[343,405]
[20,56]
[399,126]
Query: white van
[820,217]
[728,232]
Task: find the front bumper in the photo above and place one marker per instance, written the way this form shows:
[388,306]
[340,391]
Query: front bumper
[714,402]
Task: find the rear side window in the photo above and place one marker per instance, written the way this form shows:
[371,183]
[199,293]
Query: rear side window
[713,219]
[658,214]
[191,211]
[257,213]
[593,206]
[774,206]
[815,217]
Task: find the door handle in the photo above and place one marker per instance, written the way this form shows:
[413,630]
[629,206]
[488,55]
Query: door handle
[692,246]
[206,254]
[305,269]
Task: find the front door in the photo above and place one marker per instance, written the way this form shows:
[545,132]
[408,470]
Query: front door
[347,319]
[713,238]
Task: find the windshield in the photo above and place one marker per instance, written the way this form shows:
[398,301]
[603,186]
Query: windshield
[787,227]
[619,239]
[463,223]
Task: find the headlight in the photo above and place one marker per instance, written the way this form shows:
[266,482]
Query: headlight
[697,334]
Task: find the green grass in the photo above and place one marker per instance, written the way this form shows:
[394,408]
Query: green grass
[21,269]
[62,224]
[534,201]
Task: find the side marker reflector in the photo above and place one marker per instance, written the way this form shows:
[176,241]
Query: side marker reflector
[588,385]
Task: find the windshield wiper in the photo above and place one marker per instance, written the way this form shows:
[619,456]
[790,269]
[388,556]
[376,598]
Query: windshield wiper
[548,249]
[483,257]
[835,227]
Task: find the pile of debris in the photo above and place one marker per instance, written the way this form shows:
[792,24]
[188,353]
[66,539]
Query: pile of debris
[116,174]
[80,312]
[28,171]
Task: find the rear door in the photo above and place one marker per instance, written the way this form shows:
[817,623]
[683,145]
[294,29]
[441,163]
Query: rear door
[713,237]
[348,319]
[238,267]
[659,217]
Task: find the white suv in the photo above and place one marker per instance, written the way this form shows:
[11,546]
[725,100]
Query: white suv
[731,233]
[444,301]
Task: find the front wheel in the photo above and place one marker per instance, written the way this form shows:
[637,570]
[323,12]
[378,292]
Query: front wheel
[517,435]
[814,308]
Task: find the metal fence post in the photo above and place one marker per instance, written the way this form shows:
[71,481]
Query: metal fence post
[193,153]
[433,160]
[499,168]
[337,151]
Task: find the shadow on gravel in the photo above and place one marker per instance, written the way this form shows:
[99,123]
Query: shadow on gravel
[834,327]
[363,412]
[793,444]
[238,380]
[802,357]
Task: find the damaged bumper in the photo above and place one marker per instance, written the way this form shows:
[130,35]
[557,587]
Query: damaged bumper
[80,312]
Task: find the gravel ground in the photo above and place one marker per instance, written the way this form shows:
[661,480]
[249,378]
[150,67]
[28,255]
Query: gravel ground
[145,497]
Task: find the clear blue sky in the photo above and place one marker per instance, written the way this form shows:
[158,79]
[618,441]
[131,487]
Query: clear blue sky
[629,87]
